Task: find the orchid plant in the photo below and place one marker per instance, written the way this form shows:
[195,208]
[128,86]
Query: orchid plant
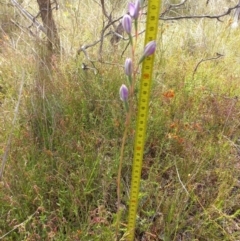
[126,91]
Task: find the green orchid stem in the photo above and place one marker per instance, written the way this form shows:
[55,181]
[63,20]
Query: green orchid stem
[129,77]
[129,107]
[136,28]
[141,60]
[131,40]
[127,124]
[126,106]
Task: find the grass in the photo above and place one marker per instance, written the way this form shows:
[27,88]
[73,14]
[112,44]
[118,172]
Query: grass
[60,176]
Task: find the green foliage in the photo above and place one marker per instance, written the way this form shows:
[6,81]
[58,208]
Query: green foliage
[60,177]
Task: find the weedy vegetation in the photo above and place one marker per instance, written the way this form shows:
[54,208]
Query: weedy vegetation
[61,128]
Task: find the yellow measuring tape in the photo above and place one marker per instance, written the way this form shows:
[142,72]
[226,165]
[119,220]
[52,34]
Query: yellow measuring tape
[145,86]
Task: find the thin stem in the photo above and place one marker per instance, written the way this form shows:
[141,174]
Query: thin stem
[127,124]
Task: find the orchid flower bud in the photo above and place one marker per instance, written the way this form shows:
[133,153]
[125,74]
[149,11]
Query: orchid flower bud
[148,50]
[127,24]
[123,92]
[134,9]
[128,67]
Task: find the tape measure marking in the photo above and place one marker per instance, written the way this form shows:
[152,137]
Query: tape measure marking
[146,77]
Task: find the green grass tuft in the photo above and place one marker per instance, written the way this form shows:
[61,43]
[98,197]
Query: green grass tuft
[60,176]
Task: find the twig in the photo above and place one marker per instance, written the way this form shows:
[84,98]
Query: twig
[29,16]
[103,35]
[7,149]
[109,17]
[202,16]
[178,4]
[203,60]
[171,6]
[19,225]
[185,189]
[84,47]
[111,23]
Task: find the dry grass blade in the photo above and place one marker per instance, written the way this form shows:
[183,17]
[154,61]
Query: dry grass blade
[8,144]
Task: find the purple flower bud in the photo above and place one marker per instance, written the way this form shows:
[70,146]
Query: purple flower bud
[131,8]
[128,67]
[149,48]
[127,23]
[123,92]
[134,9]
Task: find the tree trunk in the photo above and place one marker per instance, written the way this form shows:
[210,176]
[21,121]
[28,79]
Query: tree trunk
[48,22]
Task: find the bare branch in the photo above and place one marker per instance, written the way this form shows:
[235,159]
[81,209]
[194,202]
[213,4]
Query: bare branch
[172,6]
[20,224]
[109,17]
[203,60]
[85,47]
[110,23]
[202,16]
[178,4]
[119,35]
[29,16]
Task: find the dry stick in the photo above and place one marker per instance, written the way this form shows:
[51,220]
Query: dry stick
[5,154]
[29,16]
[103,35]
[84,47]
[172,6]
[22,28]
[178,175]
[106,15]
[178,4]
[202,16]
[19,225]
[203,60]
[110,23]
